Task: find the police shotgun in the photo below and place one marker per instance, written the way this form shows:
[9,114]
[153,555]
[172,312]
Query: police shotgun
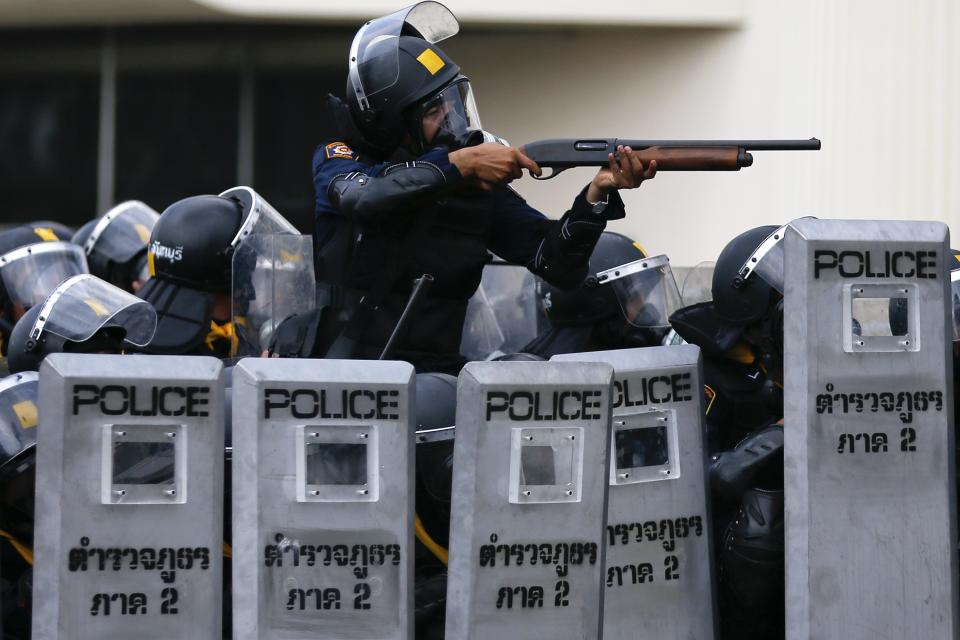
[671,155]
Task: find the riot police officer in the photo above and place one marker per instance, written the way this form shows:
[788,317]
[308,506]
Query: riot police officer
[190,260]
[410,188]
[598,314]
[740,332]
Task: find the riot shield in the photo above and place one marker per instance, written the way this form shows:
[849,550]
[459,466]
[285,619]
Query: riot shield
[272,279]
[531,459]
[869,442]
[659,554]
[502,315]
[129,498]
[322,499]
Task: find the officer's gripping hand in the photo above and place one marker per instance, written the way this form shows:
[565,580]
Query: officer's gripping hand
[489,164]
[625,172]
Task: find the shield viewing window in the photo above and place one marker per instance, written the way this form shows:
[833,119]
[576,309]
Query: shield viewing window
[880,318]
[546,464]
[143,464]
[337,464]
[644,448]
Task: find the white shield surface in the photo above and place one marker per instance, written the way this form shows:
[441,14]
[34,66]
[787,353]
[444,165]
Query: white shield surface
[129,504]
[659,551]
[531,462]
[323,489]
[869,436]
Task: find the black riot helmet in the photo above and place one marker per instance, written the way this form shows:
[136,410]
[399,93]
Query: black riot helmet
[190,244]
[590,303]
[747,293]
[397,75]
[82,315]
[190,261]
[116,243]
[738,299]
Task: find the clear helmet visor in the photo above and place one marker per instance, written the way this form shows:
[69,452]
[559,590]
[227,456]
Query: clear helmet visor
[259,218]
[698,284]
[646,290]
[84,304]
[272,279]
[767,260]
[502,314]
[450,116]
[374,54]
[122,232]
[31,273]
[18,415]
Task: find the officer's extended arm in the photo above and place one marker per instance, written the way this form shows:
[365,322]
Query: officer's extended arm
[563,254]
[397,189]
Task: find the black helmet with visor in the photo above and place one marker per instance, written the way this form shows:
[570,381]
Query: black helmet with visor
[30,273]
[398,77]
[82,315]
[116,243]
[191,257]
[646,291]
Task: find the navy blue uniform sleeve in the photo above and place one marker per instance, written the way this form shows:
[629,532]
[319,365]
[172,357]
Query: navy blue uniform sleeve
[556,250]
[372,189]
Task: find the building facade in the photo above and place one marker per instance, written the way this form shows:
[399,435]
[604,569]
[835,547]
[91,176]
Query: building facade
[108,100]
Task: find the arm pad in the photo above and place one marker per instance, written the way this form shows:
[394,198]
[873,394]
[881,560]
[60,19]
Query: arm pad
[398,189]
[564,255]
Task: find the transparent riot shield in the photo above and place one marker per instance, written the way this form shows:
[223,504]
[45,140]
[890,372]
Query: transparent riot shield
[502,314]
[272,279]
[129,507]
[531,459]
[323,490]
[659,553]
[871,528]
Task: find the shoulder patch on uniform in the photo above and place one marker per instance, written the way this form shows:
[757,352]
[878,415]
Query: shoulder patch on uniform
[710,395]
[340,150]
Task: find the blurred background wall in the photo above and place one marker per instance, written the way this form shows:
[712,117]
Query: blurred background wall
[107,100]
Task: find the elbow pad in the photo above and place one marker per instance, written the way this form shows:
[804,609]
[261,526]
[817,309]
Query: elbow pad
[399,188]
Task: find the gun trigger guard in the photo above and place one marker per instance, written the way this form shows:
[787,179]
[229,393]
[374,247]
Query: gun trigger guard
[554,172]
